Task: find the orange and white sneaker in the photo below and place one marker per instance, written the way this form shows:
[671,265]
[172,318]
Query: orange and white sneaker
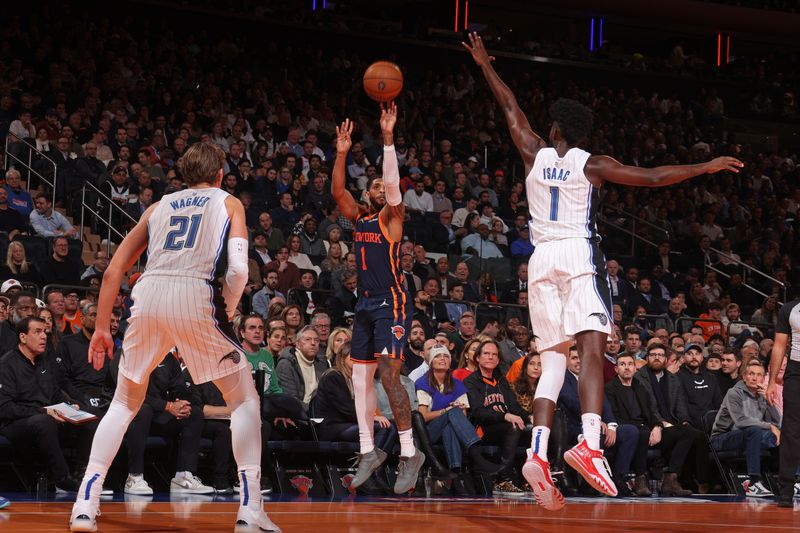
[537,473]
[593,466]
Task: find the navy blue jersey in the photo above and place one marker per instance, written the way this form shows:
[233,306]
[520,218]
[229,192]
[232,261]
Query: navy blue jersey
[377,259]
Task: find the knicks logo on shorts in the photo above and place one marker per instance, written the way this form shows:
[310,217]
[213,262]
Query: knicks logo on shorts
[600,316]
[398,332]
[233,356]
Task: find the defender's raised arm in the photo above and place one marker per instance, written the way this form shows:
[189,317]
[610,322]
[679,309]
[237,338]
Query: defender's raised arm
[526,141]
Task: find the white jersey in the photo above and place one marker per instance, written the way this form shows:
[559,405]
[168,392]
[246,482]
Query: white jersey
[187,233]
[562,202]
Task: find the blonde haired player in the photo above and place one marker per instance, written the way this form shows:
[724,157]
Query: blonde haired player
[193,238]
[568,294]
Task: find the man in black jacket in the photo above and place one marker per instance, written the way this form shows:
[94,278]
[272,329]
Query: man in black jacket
[172,408]
[343,303]
[631,406]
[678,437]
[700,386]
[28,386]
[85,385]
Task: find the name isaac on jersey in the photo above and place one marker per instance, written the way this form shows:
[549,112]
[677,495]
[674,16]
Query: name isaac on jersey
[195,201]
[555,174]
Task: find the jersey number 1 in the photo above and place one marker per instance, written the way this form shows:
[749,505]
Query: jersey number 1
[553,203]
[186,227]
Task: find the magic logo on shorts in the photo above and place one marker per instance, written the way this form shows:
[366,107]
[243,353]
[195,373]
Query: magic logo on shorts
[600,316]
[233,356]
[398,332]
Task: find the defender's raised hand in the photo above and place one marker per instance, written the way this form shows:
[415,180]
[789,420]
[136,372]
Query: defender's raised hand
[478,51]
[731,164]
[343,140]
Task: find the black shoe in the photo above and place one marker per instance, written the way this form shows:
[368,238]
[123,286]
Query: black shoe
[68,484]
[459,487]
[266,485]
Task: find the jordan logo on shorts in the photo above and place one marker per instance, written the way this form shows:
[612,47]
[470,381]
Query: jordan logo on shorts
[601,316]
[233,356]
[398,332]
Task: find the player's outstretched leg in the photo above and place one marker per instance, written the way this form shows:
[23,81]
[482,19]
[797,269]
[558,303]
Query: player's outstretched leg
[241,396]
[411,459]
[536,469]
[586,457]
[370,458]
[127,400]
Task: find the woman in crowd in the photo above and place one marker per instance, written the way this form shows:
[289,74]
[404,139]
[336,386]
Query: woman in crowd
[297,257]
[494,408]
[292,315]
[768,312]
[275,309]
[337,338]
[335,235]
[525,386]
[334,261]
[443,405]
[466,364]
[53,335]
[334,403]
[18,267]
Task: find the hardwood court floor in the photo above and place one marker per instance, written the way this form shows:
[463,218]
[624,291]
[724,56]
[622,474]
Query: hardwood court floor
[412,515]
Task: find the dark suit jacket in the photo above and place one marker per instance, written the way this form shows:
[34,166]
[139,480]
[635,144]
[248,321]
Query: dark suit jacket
[614,394]
[343,301]
[570,403]
[656,305]
[679,409]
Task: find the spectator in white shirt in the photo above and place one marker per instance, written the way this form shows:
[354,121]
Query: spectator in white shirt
[418,199]
[480,245]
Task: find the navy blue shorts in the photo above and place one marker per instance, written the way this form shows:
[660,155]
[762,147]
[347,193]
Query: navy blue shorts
[380,326]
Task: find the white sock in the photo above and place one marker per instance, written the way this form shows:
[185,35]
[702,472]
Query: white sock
[179,475]
[591,430]
[366,403]
[539,437]
[241,396]
[108,437]
[407,448]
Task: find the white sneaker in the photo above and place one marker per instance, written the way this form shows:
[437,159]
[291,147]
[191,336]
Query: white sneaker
[137,485]
[84,515]
[756,490]
[189,484]
[251,521]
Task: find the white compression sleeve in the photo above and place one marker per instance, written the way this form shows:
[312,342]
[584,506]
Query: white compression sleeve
[236,275]
[391,176]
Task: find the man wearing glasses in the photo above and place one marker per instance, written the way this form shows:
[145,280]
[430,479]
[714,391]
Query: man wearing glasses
[674,432]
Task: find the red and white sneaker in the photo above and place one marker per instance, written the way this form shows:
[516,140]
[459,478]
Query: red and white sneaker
[537,473]
[593,466]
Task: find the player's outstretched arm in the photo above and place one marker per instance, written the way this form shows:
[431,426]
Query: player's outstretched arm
[775,362]
[347,205]
[134,243]
[526,141]
[609,169]
[236,273]
[394,212]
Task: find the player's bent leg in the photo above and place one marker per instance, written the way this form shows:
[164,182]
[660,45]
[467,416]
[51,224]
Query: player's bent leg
[240,395]
[536,469]
[586,457]
[127,400]
[411,459]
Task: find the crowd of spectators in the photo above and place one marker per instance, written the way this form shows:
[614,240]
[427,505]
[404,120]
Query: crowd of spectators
[115,105]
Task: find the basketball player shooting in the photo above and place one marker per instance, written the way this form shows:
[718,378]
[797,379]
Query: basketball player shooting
[568,293]
[384,308]
[178,302]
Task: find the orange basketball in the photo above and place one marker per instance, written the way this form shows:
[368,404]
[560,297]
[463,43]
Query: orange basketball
[383,81]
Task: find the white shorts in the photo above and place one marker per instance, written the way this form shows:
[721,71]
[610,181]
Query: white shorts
[568,291]
[186,313]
